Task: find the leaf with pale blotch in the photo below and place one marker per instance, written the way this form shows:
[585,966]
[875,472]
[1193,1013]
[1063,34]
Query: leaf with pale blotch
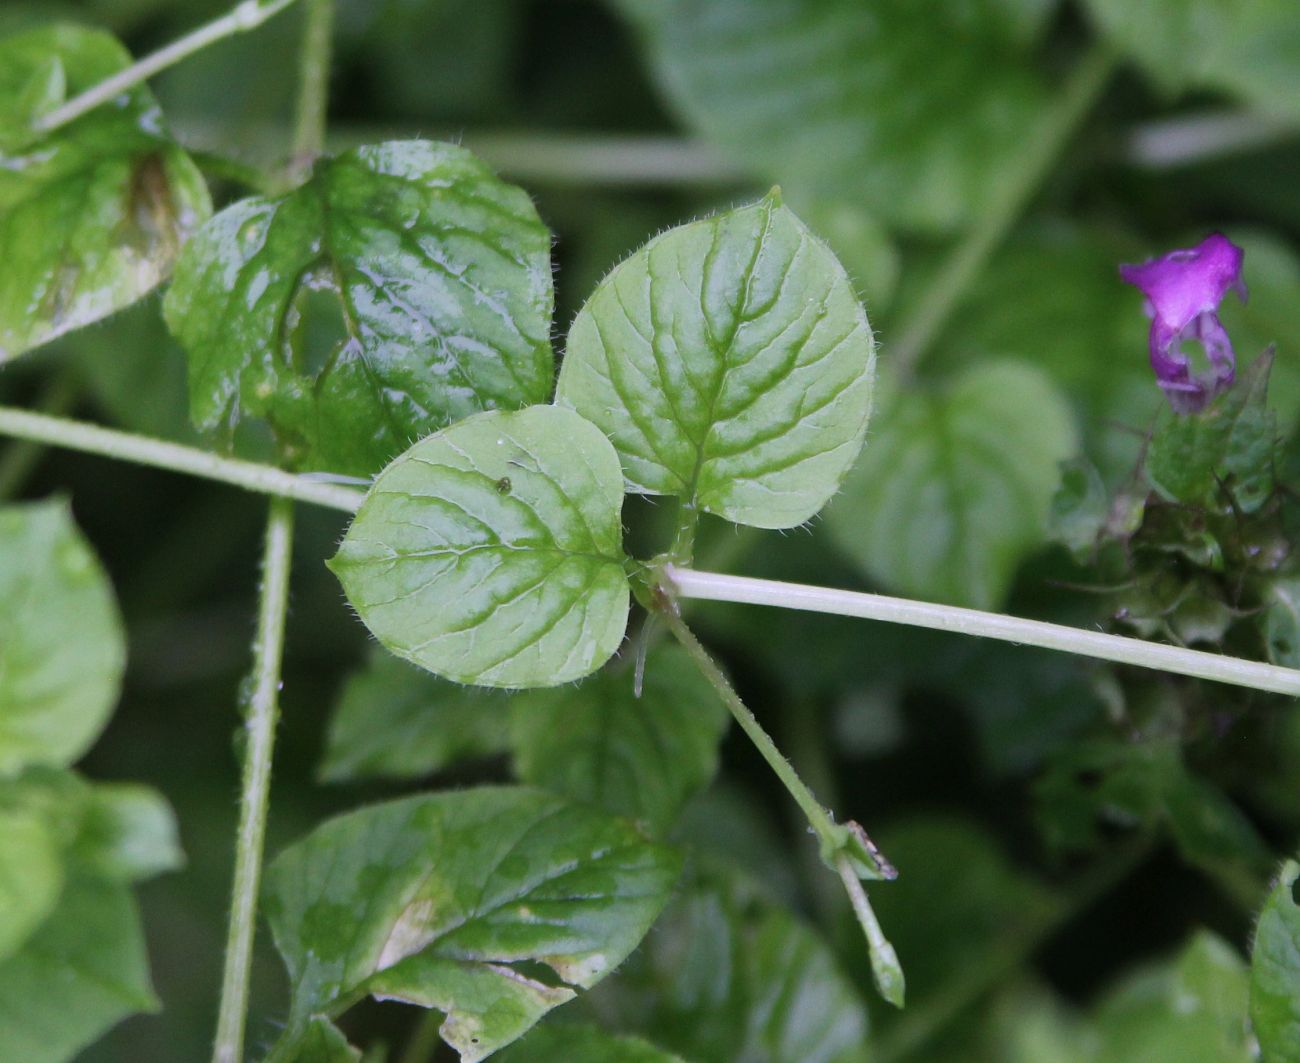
[402,288]
[61,644]
[462,902]
[491,552]
[399,722]
[640,757]
[582,1044]
[93,215]
[81,973]
[1275,971]
[727,976]
[954,490]
[919,111]
[732,365]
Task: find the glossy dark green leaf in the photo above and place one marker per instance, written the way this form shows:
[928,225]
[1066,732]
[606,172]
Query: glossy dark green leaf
[1191,1009]
[954,490]
[1275,971]
[492,905]
[729,977]
[567,1043]
[31,875]
[491,552]
[1250,48]
[640,757]
[919,112]
[61,644]
[93,215]
[400,722]
[732,365]
[401,289]
[81,973]
[1229,445]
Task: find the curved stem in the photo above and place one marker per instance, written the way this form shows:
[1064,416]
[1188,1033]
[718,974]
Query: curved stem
[713,586]
[916,332]
[244,17]
[263,710]
[313,95]
[160,454]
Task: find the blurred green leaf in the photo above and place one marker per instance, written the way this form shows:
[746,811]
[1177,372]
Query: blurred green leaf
[1250,48]
[31,876]
[61,643]
[399,722]
[640,757]
[93,215]
[917,112]
[1080,509]
[731,363]
[461,902]
[491,552]
[954,489]
[729,977]
[323,1042]
[1191,1009]
[128,832]
[566,1043]
[1282,623]
[1232,443]
[81,973]
[402,288]
[1275,971]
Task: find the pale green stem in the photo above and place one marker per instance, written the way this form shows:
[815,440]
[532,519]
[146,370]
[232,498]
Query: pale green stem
[1018,185]
[885,968]
[313,94]
[244,17]
[21,457]
[713,586]
[262,712]
[160,454]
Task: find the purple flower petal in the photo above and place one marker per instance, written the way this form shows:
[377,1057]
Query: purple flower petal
[1183,291]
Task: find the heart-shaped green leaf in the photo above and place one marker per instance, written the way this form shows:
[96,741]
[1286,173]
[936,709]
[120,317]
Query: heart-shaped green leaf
[956,485]
[402,288]
[61,646]
[491,552]
[731,363]
[93,215]
[492,905]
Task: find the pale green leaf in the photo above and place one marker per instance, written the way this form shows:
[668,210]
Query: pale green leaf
[128,832]
[1249,48]
[61,644]
[491,552]
[31,876]
[954,490]
[732,365]
[402,288]
[920,111]
[1275,971]
[566,1043]
[323,1042]
[81,973]
[93,215]
[400,722]
[640,757]
[454,901]
[729,977]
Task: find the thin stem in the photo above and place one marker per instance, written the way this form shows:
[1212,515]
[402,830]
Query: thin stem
[885,968]
[160,454]
[419,1049]
[21,458]
[244,17]
[313,95]
[1221,669]
[263,710]
[818,818]
[916,332]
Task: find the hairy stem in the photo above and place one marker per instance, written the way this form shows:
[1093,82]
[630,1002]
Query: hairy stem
[313,94]
[21,458]
[261,714]
[712,586]
[243,17]
[918,330]
[160,454]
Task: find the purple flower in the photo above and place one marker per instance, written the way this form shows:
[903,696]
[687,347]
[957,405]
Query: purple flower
[1183,291]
